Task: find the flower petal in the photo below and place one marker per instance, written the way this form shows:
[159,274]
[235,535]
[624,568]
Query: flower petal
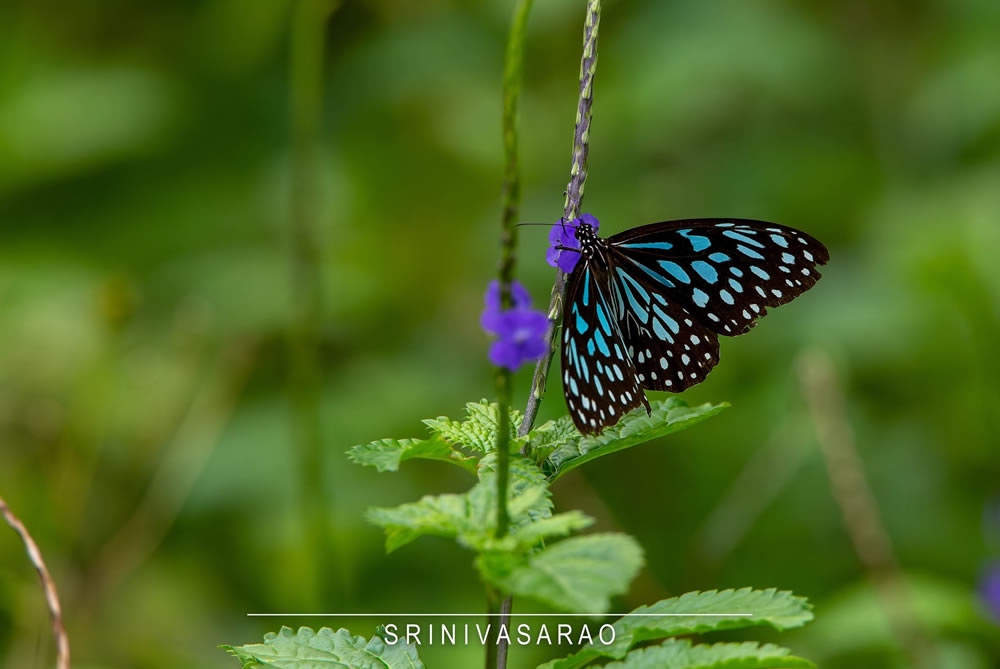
[492,299]
[520,295]
[990,589]
[564,234]
[503,353]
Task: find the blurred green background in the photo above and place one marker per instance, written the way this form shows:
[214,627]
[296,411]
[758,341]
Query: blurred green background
[154,431]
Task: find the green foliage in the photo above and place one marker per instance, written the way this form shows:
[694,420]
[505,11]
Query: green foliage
[778,609]
[636,427]
[558,525]
[386,454]
[681,654]
[579,574]
[324,649]
[775,608]
[477,432]
[576,574]
[544,439]
[556,445]
[470,518]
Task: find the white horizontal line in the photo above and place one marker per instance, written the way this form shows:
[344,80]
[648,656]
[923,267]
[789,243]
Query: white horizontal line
[494,615]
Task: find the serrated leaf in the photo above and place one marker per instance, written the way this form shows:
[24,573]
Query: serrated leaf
[479,430]
[681,654]
[528,493]
[471,517]
[666,417]
[441,515]
[559,525]
[578,575]
[387,454]
[547,437]
[778,609]
[324,649]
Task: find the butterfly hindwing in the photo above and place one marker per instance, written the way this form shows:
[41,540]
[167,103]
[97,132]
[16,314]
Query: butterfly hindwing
[725,272]
[600,381]
[670,348]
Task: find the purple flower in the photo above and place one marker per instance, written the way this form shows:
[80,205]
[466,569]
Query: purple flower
[989,588]
[564,234]
[520,330]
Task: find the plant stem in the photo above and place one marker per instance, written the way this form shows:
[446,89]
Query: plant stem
[503,450]
[513,69]
[306,75]
[574,198]
[496,654]
[493,649]
[502,646]
[48,585]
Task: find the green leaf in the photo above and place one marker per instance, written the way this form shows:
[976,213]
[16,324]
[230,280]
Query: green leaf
[386,454]
[471,517]
[325,649]
[579,574]
[547,437]
[681,654]
[477,433]
[558,525]
[528,496]
[668,416]
[778,609]
[479,430]
[442,515]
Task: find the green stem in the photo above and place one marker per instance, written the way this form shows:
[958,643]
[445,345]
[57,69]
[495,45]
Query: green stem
[493,649]
[503,451]
[306,74]
[513,70]
[574,198]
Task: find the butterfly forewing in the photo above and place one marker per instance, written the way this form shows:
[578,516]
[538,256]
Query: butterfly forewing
[725,272]
[599,380]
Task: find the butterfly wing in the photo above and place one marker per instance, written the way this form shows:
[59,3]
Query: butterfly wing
[651,302]
[600,382]
[723,272]
[669,346]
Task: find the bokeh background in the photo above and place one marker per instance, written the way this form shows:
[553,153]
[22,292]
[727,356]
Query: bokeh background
[189,342]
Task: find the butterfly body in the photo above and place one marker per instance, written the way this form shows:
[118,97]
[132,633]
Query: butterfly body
[645,307]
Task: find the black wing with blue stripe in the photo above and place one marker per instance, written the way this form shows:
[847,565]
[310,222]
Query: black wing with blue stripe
[600,382]
[726,272]
[669,346]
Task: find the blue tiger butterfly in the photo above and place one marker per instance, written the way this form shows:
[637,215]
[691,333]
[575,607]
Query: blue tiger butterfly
[645,307]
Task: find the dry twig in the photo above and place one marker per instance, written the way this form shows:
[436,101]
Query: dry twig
[48,585]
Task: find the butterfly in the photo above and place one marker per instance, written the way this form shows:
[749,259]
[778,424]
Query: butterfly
[644,308]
